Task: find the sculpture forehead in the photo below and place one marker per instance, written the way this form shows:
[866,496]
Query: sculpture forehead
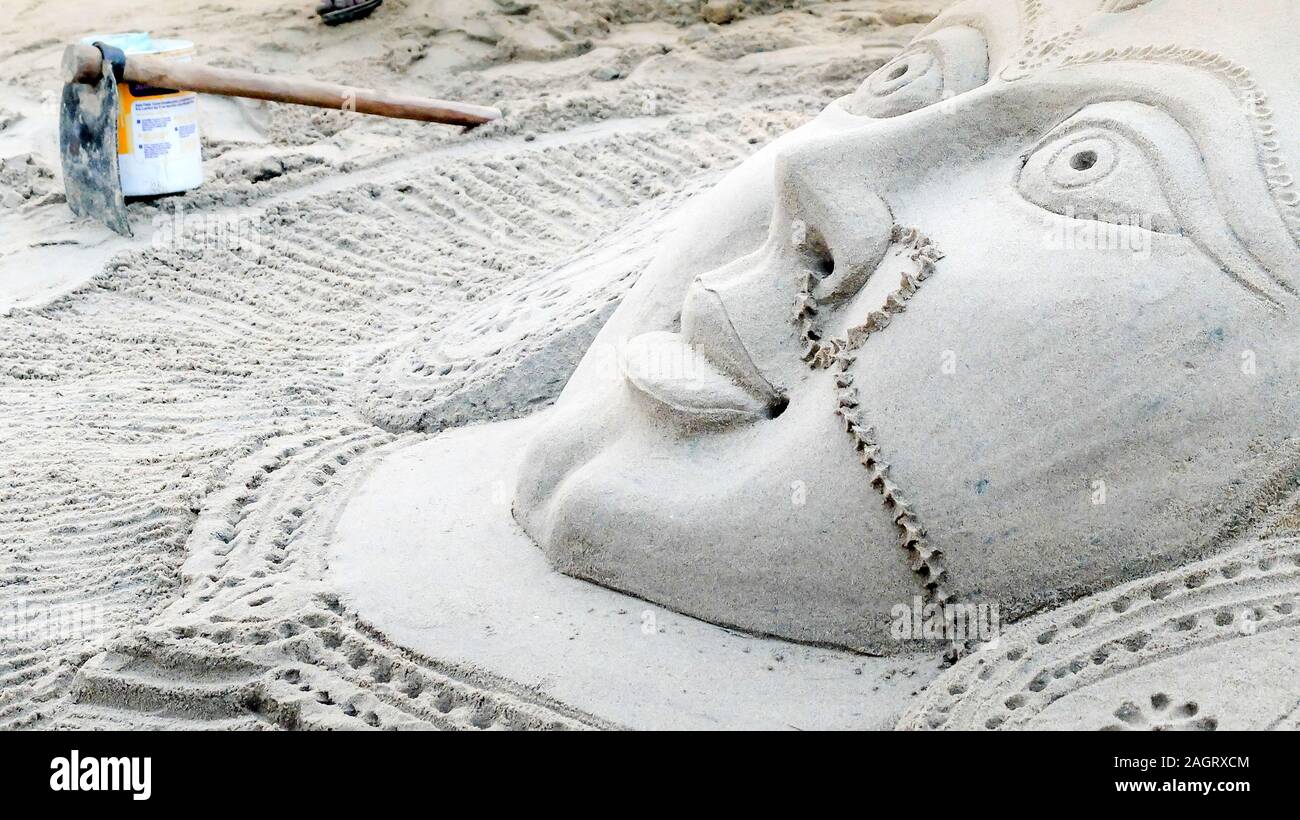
[1038,34]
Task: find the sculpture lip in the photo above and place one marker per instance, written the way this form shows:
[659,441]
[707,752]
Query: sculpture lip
[707,328]
[664,367]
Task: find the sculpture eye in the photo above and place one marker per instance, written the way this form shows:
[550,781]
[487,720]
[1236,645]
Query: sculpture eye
[1133,165]
[934,68]
[1092,172]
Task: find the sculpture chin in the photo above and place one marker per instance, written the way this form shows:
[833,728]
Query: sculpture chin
[698,536]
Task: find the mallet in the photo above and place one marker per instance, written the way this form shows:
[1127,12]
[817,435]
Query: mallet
[88,121]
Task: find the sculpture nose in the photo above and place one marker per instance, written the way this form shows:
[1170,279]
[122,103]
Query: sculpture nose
[838,222]
[829,222]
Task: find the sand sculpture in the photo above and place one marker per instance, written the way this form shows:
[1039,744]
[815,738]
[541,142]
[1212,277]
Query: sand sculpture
[1014,323]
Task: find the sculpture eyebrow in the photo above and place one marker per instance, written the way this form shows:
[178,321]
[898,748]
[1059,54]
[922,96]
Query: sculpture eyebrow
[974,19]
[1119,6]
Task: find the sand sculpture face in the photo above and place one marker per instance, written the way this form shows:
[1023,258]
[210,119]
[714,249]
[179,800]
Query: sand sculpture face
[1011,323]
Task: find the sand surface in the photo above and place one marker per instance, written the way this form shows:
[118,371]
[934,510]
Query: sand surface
[182,420]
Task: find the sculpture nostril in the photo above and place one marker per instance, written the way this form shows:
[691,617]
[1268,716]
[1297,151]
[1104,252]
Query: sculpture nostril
[778,406]
[824,266]
[817,254]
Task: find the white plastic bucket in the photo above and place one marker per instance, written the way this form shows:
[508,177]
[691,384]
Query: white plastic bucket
[157,130]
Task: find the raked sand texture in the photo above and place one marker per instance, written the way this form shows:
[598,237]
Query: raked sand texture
[181,421]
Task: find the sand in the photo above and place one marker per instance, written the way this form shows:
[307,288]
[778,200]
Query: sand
[183,421]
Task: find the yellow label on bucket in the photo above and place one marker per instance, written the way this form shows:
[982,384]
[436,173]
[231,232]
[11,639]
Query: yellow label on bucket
[147,119]
[158,149]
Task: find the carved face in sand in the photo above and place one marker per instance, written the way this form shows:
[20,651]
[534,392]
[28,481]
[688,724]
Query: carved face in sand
[1013,322]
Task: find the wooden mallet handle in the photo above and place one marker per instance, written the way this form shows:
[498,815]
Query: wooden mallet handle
[83,64]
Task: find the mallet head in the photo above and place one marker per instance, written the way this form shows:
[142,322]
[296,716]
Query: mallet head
[88,117]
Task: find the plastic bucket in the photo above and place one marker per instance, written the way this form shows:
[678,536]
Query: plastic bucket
[158,148]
